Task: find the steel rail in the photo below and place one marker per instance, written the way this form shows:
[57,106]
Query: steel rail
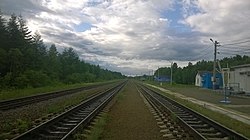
[19,102]
[66,124]
[198,125]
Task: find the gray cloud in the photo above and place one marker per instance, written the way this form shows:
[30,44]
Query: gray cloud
[133,36]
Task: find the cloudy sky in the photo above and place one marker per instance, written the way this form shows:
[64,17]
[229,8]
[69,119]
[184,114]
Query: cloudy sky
[137,36]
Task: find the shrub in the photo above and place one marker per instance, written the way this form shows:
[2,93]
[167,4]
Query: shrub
[36,78]
[74,78]
[21,81]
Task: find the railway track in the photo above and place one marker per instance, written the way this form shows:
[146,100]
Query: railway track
[65,125]
[19,102]
[188,124]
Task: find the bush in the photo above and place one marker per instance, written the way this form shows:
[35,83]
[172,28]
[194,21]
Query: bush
[21,81]
[74,78]
[36,78]
[29,78]
[80,77]
[7,80]
[89,77]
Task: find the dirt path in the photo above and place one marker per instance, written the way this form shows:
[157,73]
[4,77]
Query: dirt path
[130,119]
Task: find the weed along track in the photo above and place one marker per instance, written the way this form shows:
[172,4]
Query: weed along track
[127,116]
[179,122]
[170,129]
[19,102]
[66,124]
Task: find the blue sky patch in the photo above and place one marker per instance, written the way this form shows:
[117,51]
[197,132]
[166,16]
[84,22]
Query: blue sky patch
[83,27]
[175,15]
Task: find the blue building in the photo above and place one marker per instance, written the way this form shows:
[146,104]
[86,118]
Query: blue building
[162,78]
[207,82]
[204,79]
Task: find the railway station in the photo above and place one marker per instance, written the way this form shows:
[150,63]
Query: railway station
[124,70]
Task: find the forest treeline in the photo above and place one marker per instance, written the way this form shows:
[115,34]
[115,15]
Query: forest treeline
[25,61]
[186,75]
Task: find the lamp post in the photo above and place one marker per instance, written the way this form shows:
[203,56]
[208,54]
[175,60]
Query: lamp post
[216,43]
[171,82]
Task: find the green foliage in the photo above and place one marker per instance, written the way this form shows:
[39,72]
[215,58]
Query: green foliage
[186,75]
[21,81]
[7,80]
[25,61]
[22,125]
[75,78]
[36,78]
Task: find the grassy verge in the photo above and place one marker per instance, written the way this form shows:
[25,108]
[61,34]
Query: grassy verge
[210,96]
[171,87]
[18,122]
[233,124]
[17,93]
[96,132]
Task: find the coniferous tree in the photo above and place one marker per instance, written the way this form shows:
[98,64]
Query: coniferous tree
[40,52]
[25,60]
[53,64]
[3,46]
[3,33]
[15,38]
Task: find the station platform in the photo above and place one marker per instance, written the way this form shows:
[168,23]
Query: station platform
[231,113]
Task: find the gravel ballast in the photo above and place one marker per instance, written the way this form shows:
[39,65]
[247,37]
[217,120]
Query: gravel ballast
[129,118]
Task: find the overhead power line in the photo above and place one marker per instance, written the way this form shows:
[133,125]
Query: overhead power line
[246,51]
[231,54]
[234,41]
[198,55]
[235,47]
[237,43]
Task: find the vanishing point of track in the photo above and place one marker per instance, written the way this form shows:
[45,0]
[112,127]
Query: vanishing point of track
[66,124]
[180,122]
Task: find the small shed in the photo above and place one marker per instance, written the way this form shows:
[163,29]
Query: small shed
[204,79]
[162,78]
[198,78]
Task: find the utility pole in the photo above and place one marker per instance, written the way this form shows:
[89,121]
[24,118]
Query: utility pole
[149,76]
[171,82]
[216,44]
[152,75]
[158,74]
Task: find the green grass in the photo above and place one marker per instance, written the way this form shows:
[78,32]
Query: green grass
[27,119]
[168,85]
[210,96]
[62,104]
[233,124]
[98,129]
[17,93]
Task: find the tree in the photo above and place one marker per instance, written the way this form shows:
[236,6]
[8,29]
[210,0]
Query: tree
[26,62]
[15,61]
[3,62]
[3,33]
[24,31]
[14,34]
[25,42]
[53,63]
[69,60]
[39,52]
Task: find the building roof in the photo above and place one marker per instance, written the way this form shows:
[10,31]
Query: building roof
[203,72]
[241,66]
